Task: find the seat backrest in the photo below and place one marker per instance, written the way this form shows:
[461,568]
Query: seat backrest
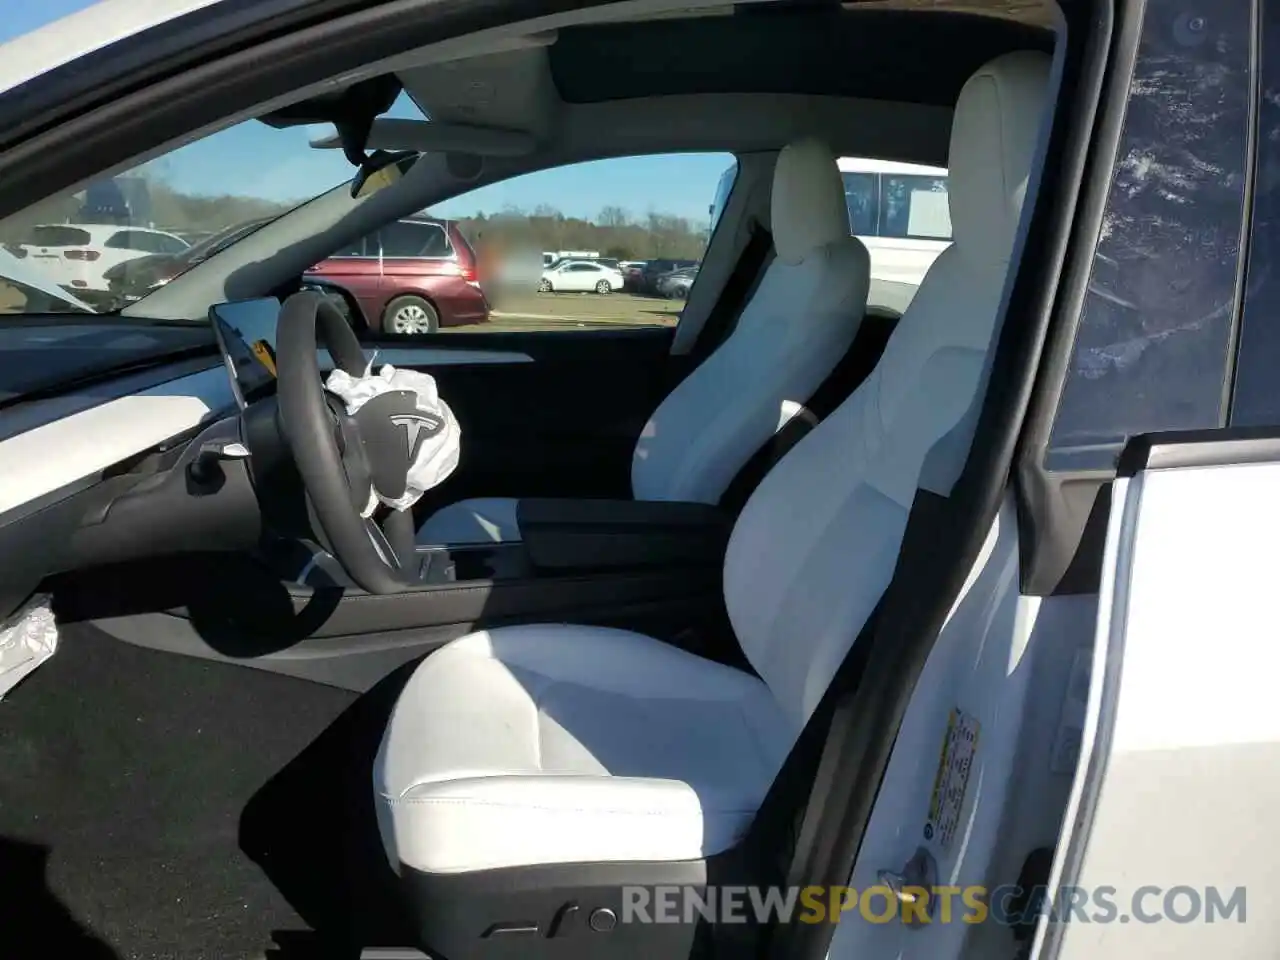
[799,322]
[815,546]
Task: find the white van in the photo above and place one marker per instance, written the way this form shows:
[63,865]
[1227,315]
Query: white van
[899,210]
[552,257]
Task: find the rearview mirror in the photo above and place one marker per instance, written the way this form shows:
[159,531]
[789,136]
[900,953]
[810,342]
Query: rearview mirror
[380,170]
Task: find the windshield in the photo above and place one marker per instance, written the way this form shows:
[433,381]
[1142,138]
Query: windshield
[110,243]
[221,240]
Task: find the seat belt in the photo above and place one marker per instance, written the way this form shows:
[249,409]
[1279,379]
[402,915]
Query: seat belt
[858,363]
[734,294]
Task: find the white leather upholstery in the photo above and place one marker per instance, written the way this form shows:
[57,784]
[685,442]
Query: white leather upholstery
[663,755]
[800,321]
[807,208]
[815,546]
[553,744]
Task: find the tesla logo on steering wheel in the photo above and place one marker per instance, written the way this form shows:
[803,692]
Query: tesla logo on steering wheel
[413,425]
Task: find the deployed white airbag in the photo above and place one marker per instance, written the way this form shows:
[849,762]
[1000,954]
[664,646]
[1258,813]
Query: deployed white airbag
[27,639]
[434,455]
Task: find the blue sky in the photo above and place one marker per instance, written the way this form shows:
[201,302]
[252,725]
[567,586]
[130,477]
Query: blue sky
[22,17]
[254,159]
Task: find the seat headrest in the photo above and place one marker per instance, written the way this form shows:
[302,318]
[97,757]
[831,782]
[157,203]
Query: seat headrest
[994,136]
[807,208]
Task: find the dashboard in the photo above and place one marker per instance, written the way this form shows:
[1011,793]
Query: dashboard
[90,466]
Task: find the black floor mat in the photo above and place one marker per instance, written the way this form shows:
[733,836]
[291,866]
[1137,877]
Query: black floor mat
[156,806]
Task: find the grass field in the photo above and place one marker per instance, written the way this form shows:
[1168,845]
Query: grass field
[573,311]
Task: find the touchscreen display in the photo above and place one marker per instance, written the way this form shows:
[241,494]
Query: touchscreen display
[246,332]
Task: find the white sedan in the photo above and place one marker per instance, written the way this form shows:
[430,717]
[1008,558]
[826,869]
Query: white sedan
[580,276]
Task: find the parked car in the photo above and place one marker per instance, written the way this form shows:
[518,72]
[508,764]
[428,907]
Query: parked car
[676,284]
[134,279]
[412,276]
[647,282]
[78,255]
[580,276]
[632,271]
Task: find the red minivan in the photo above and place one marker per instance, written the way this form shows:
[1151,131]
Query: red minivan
[412,276]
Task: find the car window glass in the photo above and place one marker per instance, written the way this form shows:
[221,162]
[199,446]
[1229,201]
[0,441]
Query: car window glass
[56,236]
[161,243]
[860,199]
[914,208]
[145,241]
[1151,349]
[360,247]
[206,246]
[526,232]
[724,186]
[405,238]
[1256,397]
[123,229]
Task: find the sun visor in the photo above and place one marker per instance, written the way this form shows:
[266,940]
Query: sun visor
[433,136]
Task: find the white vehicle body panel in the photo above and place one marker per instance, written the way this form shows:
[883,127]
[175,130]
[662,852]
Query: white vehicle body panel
[1177,779]
[581,280]
[72,37]
[902,260]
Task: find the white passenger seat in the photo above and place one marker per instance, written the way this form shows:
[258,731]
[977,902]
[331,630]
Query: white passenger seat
[800,321]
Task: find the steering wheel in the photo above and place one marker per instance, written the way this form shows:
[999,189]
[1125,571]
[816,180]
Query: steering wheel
[340,456]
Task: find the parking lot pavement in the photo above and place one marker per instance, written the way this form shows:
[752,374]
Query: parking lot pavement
[568,311]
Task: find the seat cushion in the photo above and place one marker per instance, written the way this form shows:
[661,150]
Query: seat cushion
[480,520]
[560,744]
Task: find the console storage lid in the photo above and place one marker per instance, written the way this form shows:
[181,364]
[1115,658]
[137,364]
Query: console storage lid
[601,534]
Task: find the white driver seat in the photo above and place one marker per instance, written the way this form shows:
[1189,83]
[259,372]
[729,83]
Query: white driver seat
[533,745]
[801,320]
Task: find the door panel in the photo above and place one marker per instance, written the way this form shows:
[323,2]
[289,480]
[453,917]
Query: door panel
[1176,785]
[1000,671]
[564,424]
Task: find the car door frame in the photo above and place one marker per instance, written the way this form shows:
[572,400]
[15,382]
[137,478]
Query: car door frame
[1062,219]
[1182,604]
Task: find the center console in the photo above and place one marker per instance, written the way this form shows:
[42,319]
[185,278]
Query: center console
[560,538]
[498,561]
[655,568]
